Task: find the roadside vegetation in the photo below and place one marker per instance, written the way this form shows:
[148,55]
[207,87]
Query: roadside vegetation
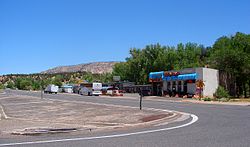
[38,81]
[1,86]
[221,93]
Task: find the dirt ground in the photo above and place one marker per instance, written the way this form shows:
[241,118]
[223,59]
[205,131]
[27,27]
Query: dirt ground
[24,115]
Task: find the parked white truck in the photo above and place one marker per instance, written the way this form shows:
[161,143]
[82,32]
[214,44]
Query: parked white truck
[51,89]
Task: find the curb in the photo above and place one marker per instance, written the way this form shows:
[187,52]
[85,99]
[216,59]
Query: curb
[217,103]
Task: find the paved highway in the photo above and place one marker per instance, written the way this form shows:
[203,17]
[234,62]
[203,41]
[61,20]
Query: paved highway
[217,126]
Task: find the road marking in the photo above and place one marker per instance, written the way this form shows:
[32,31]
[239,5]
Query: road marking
[25,103]
[6,97]
[4,115]
[194,119]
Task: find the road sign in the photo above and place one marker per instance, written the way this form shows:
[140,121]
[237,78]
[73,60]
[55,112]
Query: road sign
[116,78]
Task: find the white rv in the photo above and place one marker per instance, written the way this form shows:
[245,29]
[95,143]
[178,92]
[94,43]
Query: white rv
[97,89]
[51,89]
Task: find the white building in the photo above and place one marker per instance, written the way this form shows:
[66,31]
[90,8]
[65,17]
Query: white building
[183,82]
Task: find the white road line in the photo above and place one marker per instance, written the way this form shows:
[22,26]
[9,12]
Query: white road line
[25,103]
[194,119]
[4,115]
[6,97]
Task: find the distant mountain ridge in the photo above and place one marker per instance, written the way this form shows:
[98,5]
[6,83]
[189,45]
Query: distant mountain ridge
[93,67]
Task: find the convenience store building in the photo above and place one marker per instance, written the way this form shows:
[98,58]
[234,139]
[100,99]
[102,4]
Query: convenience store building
[183,82]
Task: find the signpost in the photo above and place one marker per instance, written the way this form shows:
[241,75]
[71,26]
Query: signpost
[200,85]
[141,95]
[116,78]
[41,91]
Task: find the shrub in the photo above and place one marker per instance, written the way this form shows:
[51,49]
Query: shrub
[10,85]
[221,93]
[1,86]
[35,85]
[25,84]
[224,99]
[207,99]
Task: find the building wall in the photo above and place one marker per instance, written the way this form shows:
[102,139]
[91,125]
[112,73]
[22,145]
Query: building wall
[199,71]
[165,86]
[211,81]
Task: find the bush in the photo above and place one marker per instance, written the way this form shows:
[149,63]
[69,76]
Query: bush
[221,93]
[17,83]
[35,85]
[10,85]
[1,86]
[26,84]
[207,99]
[224,99]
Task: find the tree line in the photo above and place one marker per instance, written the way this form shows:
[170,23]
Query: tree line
[38,81]
[229,54]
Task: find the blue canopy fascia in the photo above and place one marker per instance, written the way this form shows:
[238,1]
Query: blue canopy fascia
[192,76]
[156,75]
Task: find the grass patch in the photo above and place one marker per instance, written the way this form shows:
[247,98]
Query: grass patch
[207,99]
[223,99]
[240,100]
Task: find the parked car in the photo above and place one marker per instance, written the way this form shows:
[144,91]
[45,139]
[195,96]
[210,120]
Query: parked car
[114,91]
[85,91]
[76,89]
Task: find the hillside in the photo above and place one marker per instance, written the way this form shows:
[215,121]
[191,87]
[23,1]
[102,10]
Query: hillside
[94,67]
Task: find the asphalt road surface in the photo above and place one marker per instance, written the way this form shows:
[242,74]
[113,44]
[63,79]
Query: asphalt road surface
[217,126]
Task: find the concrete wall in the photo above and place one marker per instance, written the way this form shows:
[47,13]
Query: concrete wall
[211,81]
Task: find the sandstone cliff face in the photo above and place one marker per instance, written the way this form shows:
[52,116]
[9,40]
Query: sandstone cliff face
[95,68]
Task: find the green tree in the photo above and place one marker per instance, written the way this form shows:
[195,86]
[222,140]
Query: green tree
[88,77]
[106,77]
[231,56]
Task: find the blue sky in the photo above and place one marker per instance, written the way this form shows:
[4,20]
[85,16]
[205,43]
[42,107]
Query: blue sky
[39,34]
